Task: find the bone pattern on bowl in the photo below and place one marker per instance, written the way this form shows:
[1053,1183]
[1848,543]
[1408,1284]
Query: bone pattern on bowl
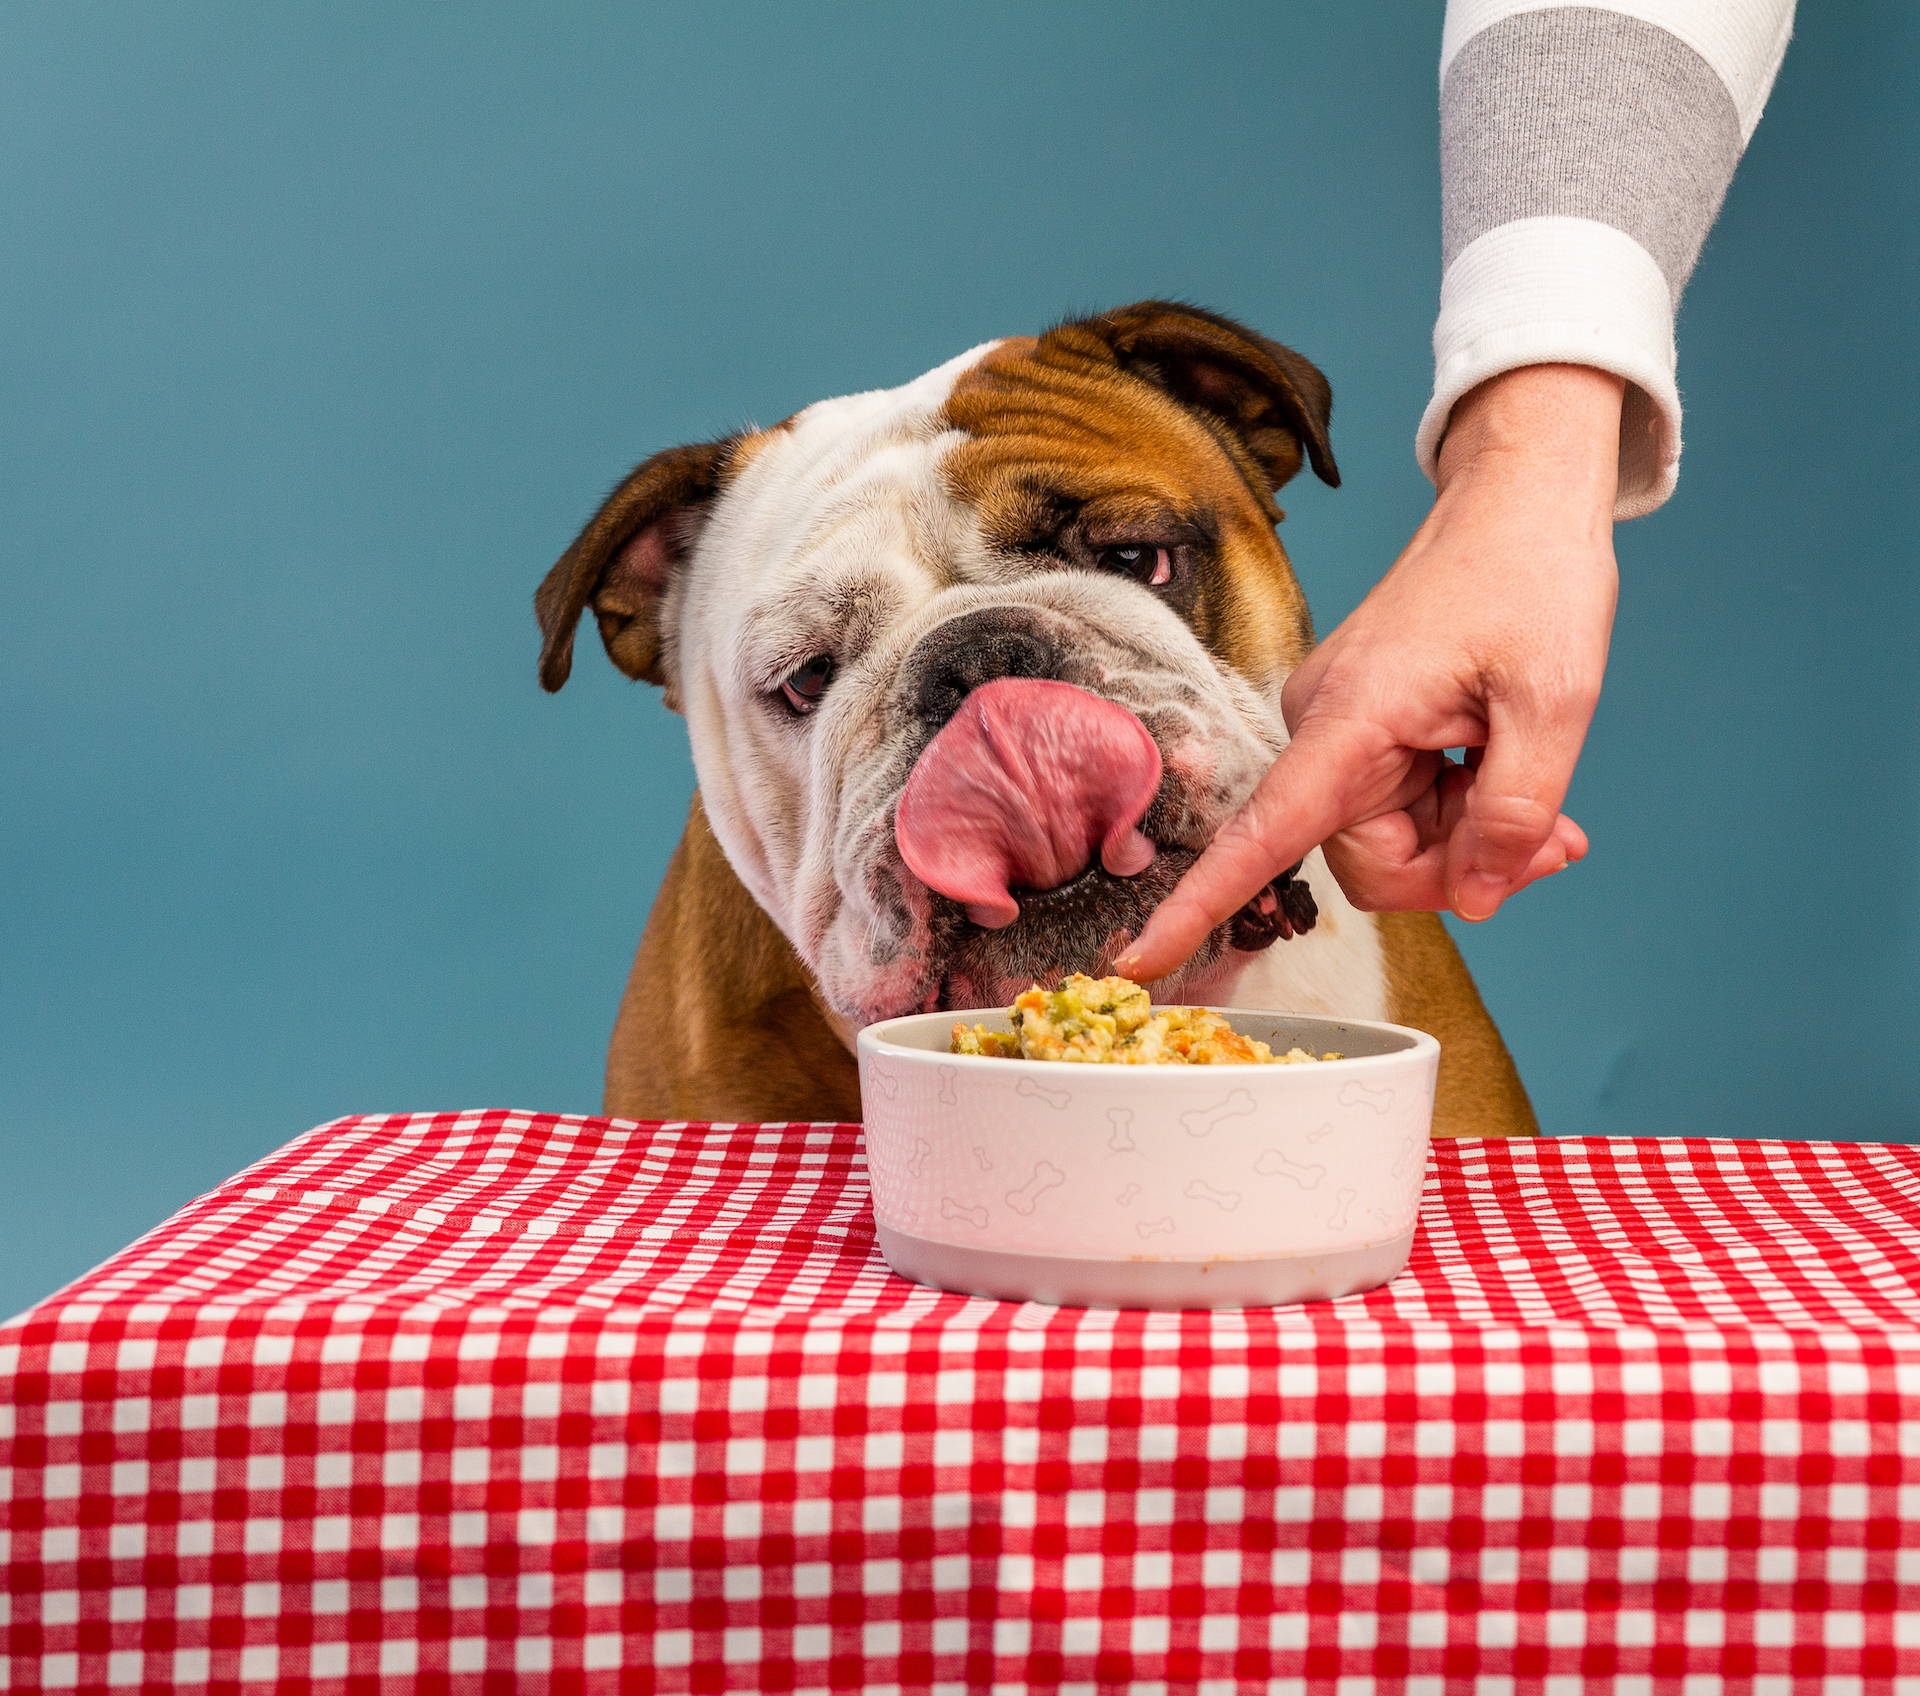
[1083,1164]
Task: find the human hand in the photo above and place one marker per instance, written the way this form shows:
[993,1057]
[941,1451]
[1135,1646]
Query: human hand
[1488,634]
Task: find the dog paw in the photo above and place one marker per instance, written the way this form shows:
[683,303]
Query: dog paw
[1284,909]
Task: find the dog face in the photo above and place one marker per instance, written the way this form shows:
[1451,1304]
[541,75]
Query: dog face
[974,591]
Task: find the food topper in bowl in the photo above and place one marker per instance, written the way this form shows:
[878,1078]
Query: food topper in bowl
[1148,1185]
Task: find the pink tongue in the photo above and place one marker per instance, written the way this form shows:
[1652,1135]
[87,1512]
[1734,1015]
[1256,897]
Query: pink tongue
[1019,790]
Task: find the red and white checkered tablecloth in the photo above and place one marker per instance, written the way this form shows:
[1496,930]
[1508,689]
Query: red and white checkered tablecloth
[502,1401]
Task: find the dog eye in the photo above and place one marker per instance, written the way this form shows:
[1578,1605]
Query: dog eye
[803,687]
[1141,561]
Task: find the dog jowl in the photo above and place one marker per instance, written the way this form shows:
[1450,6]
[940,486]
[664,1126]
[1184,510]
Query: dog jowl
[972,668]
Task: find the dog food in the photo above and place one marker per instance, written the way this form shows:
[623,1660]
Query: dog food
[1112,1021]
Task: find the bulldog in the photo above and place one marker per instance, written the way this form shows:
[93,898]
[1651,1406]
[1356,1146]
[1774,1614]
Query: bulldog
[972,669]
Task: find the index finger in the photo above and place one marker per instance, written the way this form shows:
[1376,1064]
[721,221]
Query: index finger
[1316,786]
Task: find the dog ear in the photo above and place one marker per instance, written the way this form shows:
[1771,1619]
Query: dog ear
[621,563]
[1274,400]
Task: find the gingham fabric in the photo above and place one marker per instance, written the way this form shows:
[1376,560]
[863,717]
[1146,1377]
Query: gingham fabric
[506,1402]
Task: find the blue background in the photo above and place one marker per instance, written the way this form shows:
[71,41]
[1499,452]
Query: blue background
[325,326]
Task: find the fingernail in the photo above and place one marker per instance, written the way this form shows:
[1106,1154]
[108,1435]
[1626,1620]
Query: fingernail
[1478,895]
[1127,967]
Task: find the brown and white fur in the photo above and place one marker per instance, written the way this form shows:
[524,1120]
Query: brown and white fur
[969,513]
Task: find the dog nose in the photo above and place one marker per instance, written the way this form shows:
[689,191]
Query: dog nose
[955,658]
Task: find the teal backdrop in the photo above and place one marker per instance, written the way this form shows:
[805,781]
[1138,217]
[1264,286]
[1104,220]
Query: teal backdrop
[322,327]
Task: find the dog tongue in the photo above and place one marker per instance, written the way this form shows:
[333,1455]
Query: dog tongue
[1020,789]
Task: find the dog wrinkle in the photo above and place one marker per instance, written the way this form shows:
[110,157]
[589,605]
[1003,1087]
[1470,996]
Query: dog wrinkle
[842,613]
[1036,412]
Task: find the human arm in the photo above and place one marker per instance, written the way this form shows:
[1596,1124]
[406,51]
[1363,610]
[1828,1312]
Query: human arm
[1585,151]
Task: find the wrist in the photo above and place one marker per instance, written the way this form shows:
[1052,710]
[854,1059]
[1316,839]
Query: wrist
[1538,430]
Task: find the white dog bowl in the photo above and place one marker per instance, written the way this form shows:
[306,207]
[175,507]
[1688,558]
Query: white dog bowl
[1149,1186]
